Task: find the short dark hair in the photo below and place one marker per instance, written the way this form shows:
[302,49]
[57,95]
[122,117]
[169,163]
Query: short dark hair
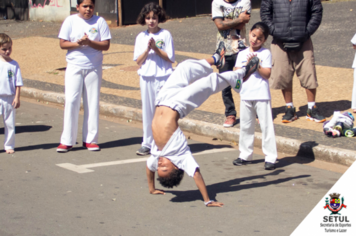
[157,10]
[4,38]
[263,27]
[81,1]
[173,179]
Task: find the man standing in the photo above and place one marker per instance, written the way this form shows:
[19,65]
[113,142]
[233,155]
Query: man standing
[230,17]
[291,24]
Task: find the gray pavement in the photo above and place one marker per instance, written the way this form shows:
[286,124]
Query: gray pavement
[310,138]
[332,48]
[37,197]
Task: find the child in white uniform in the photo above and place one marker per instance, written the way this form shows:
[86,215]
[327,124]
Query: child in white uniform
[186,89]
[154,52]
[10,85]
[353,104]
[256,99]
[85,36]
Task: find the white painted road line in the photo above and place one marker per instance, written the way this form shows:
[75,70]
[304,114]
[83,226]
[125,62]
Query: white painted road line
[81,169]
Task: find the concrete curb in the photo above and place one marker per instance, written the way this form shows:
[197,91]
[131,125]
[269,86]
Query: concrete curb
[286,145]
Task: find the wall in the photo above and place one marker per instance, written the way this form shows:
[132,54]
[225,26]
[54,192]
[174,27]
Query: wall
[49,10]
[131,9]
[14,9]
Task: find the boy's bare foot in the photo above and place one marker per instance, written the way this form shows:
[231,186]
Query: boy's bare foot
[10,151]
[354,110]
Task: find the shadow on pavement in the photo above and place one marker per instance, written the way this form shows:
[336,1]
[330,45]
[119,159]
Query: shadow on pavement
[305,155]
[29,129]
[326,108]
[199,147]
[231,186]
[121,142]
[113,144]
[35,147]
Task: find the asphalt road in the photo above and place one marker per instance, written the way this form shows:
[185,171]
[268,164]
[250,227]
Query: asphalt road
[38,197]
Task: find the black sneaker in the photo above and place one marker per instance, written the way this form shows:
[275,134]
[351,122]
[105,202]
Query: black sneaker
[240,162]
[143,151]
[221,52]
[290,115]
[269,166]
[314,115]
[251,67]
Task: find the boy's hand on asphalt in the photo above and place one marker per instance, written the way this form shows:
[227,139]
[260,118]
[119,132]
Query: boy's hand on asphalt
[157,191]
[215,204]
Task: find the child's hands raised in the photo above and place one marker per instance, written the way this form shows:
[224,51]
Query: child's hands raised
[84,40]
[152,44]
[148,45]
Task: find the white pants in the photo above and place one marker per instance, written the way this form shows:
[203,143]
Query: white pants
[353,103]
[248,111]
[192,83]
[88,82]
[8,113]
[150,86]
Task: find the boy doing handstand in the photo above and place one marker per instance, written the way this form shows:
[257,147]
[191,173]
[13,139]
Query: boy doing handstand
[186,89]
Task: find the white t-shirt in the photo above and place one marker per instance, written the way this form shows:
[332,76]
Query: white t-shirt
[73,29]
[255,88]
[353,41]
[155,65]
[177,151]
[10,77]
[230,10]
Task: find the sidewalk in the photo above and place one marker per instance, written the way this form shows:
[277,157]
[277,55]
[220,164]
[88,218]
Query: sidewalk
[43,66]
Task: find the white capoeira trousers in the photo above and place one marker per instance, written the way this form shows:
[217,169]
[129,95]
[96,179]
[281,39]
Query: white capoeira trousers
[8,113]
[192,83]
[353,103]
[248,111]
[150,86]
[80,81]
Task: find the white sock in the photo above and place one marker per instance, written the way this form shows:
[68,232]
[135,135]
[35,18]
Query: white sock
[216,58]
[311,104]
[289,104]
